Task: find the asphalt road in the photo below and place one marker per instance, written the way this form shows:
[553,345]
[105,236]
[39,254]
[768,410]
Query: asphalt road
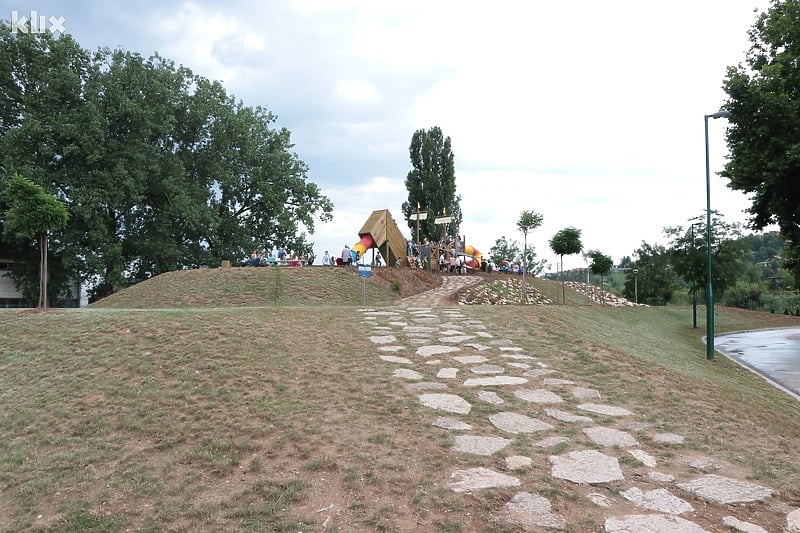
[772,353]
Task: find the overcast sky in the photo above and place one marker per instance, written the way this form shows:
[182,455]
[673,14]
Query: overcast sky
[588,112]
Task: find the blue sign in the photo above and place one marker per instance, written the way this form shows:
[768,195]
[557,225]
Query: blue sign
[364,271]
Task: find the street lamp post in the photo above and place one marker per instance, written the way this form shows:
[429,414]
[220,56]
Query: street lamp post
[694,282]
[636,285]
[709,285]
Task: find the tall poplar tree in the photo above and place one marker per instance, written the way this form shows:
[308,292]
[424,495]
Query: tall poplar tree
[431,184]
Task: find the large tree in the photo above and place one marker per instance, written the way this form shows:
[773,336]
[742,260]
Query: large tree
[431,184]
[566,242]
[729,253]
[652,278]
[160,169]
[764,137]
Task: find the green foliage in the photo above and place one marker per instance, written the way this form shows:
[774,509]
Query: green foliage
[566,242]
[729,253]
[504,250]
[431,184]
[31,210]
[601,264]
[655,278]
[397,285]
[160,169]
[763,137]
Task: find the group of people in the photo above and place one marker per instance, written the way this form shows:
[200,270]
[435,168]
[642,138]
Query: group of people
[280,257]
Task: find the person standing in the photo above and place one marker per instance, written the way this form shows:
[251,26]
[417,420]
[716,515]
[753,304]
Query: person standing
[346,256]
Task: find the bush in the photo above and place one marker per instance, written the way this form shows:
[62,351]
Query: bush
[397,285]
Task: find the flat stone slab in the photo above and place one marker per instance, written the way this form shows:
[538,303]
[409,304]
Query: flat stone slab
[600,500]
[390,348]
[741,526]
[396,359]
[470,359]
[407,373]
[456,339]
[451,423]
[538,372]
[610,437]
[501,342]
[651,523]
[643,457]
[425,319]
[487,369]
[426,385]
[494,380]
[480,445]
[719,489]
[383,339]
[660,477]
[523,366]
[793,521]
[660,500]
[510,348]
[452,332]
[517,357]
[477,346]
[550,442]
[585,394]
[398,324]
[517,423]
[538,396]
[446,402]
[435,349]
[555,382]
[418,329]
[607,410]
[586,466]
[531,510]
[490,397]
[480,478]
[638,426]
[447,373]
[564,416]
[483,334]
[668,438]
[381,313]
[518,461]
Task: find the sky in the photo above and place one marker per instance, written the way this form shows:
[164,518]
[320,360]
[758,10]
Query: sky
[589,113]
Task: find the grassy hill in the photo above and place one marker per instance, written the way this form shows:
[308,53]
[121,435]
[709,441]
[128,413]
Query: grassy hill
[195,404]
[258,287]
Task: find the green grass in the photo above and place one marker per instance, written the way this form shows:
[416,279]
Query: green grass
[254,417]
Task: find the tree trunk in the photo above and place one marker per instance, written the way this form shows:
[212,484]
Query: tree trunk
[42,238]
[563,290]
[524,293]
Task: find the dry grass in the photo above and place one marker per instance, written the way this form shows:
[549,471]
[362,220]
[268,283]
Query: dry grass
[258,287]
[257,418]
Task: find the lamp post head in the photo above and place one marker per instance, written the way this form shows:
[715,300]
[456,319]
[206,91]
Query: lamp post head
[719,114]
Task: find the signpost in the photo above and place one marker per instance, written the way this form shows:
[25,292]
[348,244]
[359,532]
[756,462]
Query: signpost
[364,272]
[419,215]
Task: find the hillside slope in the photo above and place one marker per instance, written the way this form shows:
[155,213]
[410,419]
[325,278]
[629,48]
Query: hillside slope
[257,287]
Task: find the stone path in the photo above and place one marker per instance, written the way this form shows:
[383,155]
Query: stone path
[610,457]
